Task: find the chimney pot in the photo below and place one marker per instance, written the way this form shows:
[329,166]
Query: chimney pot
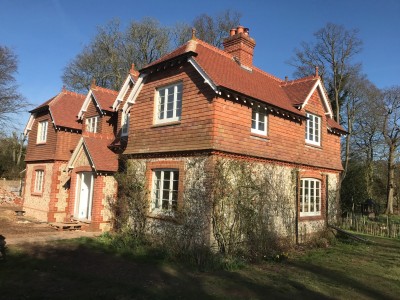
[316,71]
[286,79]
[240,45]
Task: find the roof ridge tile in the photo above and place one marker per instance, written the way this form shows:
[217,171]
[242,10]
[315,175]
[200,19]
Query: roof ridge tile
[68,92]
[106,90]
[299,80]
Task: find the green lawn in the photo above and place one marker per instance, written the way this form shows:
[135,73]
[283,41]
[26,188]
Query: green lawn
[84,269]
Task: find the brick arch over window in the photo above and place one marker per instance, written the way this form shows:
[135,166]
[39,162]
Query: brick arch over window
[311,182]
[38,180]
[162,165]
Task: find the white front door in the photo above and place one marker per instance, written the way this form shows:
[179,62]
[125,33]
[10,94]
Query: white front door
[84,193]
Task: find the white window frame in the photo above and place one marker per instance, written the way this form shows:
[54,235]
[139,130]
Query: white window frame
[310,197]
[125,123]
[39,179]
[161,107]
[258,116]
[42,132]
[159,189]
[92,124]
[313,129]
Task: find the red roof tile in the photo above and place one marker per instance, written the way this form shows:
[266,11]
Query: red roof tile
[103,158]
[225,72]
[335,125]
[178,51]
[104,97]
[298,90]
[64,108]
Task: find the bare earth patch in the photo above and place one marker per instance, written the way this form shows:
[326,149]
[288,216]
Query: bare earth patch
[23,229]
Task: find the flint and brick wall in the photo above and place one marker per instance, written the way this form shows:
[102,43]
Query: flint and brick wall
[37,204]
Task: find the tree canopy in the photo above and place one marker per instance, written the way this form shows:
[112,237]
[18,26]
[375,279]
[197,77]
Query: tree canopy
[11,101]
[332,51]
[112,51]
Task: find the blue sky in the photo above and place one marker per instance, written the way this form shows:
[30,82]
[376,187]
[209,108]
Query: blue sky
[47,34]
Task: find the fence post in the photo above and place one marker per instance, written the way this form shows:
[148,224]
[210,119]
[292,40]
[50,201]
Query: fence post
[387,224]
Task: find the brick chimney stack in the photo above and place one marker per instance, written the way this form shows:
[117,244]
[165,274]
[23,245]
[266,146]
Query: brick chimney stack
[240,45]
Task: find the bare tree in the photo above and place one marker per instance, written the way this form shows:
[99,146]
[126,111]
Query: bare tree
[103,59]
[332,51]
[146,41]
[109,56]
[214,30]
[11,101]
[390,111]
[112,51]
[180,33]
[12,150]
[366,130]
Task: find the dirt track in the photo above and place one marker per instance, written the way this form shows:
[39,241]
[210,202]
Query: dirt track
[22,229]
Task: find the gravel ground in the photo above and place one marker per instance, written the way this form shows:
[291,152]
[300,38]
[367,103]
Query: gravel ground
[22,229]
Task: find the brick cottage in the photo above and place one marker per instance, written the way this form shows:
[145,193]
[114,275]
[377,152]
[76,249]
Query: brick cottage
[193,107]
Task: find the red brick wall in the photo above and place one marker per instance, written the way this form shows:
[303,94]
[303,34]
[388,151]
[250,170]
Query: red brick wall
[192,132]
[59,143]
[42,151]
[106,123]
[66,143]
[285,140]
[215,123]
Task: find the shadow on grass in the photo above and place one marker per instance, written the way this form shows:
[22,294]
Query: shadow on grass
[84,270]
[67,271]
[342,279]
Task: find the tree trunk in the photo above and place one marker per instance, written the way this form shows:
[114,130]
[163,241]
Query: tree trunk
[20,149]
[369,170]
[390,184]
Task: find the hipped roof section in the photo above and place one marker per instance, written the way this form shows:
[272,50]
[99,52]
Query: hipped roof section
[63,109]
[228,74]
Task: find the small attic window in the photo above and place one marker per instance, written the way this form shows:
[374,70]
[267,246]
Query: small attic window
[92,124]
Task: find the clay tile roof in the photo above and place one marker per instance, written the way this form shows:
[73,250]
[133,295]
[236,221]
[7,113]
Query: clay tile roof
[103,158]
[43,105]
[225,72]
[298,90]
[177,52]
[335,125]
[64,108]
[105,97]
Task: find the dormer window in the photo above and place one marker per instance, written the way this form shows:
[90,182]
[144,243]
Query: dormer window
[313,129]
[259,121]
[125,123]
[169,103]
[92,124]
[42,132]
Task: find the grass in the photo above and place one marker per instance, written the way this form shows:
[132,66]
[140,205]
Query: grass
[99,269]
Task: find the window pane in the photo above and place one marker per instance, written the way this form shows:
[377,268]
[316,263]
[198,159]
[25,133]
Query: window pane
[261,126]
[165,204]
[313,134]
[161,104]
[170,102]
[310,198]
